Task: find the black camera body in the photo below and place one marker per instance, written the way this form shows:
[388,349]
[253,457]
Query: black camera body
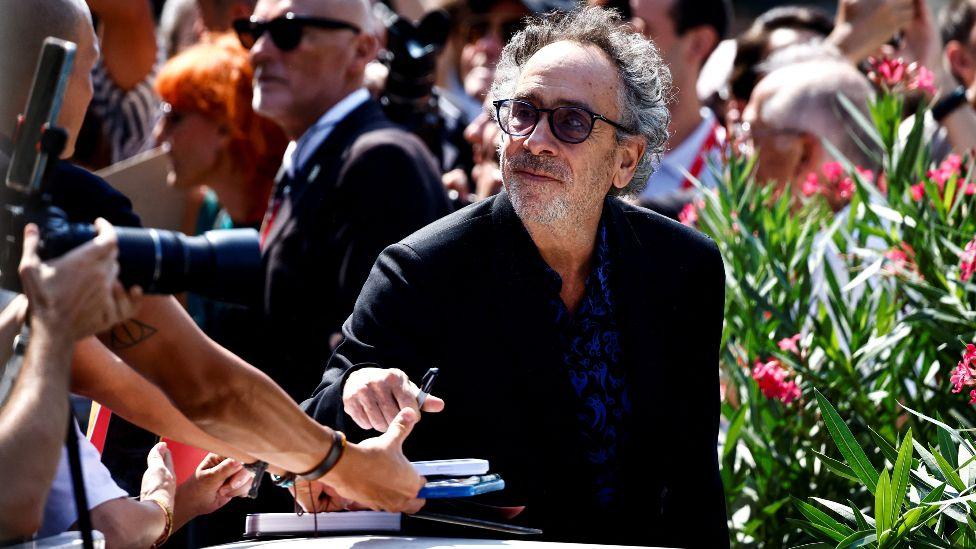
[223,265]
[411,54]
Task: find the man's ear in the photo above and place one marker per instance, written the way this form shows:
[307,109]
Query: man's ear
[962,63]
[700,40]
[629,154]
[366,46]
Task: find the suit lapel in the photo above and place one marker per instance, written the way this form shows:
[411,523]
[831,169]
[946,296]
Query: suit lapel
[644,305]
[322,169]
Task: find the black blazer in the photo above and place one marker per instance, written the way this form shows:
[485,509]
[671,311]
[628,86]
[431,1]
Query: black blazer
[369,184]
[465,294]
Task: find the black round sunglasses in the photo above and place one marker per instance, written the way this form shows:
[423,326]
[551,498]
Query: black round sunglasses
[569,124]
[286,30]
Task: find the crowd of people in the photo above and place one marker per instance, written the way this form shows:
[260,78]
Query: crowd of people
[504,206]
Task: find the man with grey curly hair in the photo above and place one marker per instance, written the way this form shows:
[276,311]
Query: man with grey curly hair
[585,368]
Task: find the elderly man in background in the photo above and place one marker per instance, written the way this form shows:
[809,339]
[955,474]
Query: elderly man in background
[795,107]
[351,181]
[591,319]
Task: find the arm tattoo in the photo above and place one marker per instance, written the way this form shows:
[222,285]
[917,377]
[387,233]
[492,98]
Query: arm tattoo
[128,334]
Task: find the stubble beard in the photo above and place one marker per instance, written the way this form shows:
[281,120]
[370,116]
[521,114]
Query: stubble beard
[563,210]
[532,202]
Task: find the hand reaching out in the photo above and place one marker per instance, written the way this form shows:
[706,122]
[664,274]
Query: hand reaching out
[216,481]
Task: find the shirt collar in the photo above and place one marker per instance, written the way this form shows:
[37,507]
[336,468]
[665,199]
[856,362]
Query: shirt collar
[299,151]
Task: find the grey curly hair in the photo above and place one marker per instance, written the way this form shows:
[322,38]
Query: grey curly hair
[645,79]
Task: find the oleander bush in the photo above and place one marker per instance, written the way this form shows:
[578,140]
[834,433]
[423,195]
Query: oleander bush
[870,308]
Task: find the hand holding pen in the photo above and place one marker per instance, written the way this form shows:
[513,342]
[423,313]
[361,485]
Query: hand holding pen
[372,397]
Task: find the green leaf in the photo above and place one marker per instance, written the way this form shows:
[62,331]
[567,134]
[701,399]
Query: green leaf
[889,451]
[735,427]
[862,522]
[861,538]
[844,439]
[899,475]
[836,467]
[949,472]
[947,448]
[837,530]
[882,505]
[864,275]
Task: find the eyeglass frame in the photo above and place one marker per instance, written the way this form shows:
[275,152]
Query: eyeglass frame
[552,127]
[257,27]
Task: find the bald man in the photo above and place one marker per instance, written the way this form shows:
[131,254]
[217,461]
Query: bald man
[233,407]
[351,181]
[795,107]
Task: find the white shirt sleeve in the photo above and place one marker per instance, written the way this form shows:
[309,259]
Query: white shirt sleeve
[59,509]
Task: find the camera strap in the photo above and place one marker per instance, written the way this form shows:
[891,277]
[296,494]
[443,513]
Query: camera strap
[78,483]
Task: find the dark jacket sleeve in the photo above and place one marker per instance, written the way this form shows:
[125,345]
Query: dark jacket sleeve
[702,496]
[385,330]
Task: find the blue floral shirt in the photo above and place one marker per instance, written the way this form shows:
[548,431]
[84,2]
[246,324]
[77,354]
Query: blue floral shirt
[591,353]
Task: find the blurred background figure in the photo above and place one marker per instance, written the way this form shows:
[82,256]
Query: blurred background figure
[219,145]
[773,30]
[124,108]
[480,30]
[218,15]
[686,32]
[795,108]
[180,26]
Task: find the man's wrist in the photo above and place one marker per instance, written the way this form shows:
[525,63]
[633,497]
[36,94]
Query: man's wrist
[50,337]
[332,457]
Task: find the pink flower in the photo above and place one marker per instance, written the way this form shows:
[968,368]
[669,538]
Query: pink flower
[950,167]
[967,262]
[965,375]
[924,81]
[953,162]
[972,396]
[771,377]
[887,72]
[961,376]
[896,256]
[918,191]
[832,170]
[810,185]
[969,189]
[865,174]
[846,188]
[688,215]
[789,344]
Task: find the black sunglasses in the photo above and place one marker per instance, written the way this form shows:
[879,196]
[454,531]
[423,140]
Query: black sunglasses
[286,30]
[569,124]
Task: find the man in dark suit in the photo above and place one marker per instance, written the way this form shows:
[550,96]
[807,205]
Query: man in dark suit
[351,182]
[587,370]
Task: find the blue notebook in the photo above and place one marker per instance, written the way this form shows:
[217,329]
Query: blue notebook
[461,487]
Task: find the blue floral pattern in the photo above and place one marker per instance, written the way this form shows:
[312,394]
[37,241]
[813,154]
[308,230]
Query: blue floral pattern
[592,355]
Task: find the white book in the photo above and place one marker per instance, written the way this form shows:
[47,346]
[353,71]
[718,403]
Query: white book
[273,524]
[451,467]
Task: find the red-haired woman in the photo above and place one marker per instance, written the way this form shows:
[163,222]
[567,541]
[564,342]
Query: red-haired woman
[215,138]
[220,148]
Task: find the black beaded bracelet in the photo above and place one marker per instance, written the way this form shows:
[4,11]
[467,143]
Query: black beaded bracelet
[949,103]
[257,469]
[338,446]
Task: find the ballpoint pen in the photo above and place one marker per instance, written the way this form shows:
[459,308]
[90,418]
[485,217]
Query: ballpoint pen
[426,384]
